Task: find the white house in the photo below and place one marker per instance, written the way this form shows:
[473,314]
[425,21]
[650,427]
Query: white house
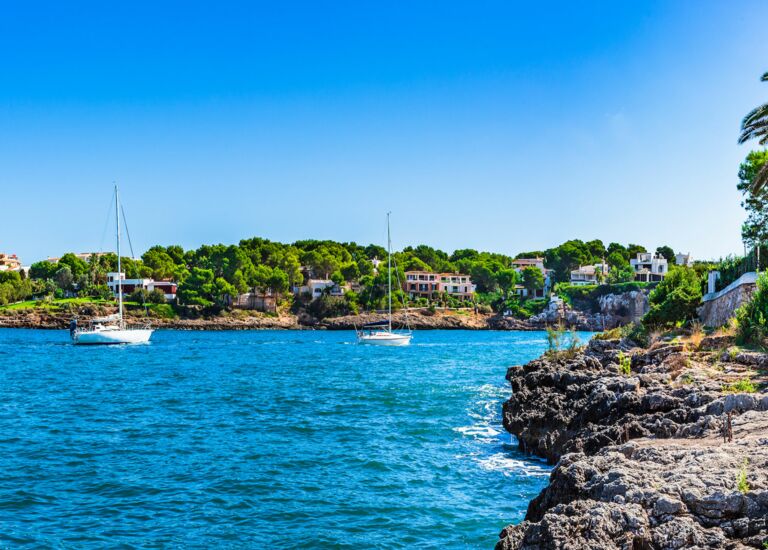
[589,274]
[376,263]
[129,285]
[521,263]
[649,267]
[316,287]
[683,259]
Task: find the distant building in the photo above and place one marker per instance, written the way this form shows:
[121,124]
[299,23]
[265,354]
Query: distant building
[683,259]
[521,263]
[85,256]
[589,274]
[316,287]
[427,284]
[649,267]
[168,288]
[256,302]
[9,262]
[376,263]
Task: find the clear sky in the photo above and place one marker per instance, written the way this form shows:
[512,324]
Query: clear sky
[494,125]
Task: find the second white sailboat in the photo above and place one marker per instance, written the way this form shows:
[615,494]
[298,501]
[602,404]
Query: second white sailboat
[380,333]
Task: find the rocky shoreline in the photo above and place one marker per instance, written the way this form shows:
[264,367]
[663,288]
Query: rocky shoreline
[418,320]
[638,438]
[613,310]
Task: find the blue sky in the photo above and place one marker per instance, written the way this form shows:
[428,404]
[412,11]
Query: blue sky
[495,125]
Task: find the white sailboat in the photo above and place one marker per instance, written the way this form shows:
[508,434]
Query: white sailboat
[380,333]
[111,329]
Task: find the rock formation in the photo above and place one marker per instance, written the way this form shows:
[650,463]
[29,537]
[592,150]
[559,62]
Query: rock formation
[641,457]
[613,310]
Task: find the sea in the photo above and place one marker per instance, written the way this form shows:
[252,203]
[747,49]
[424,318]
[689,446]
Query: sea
[261,439]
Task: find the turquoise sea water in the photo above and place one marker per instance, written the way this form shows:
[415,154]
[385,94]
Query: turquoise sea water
[263,439]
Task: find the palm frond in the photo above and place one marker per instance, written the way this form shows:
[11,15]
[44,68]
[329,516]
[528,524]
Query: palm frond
[764,77]
[756,114]
[753,122]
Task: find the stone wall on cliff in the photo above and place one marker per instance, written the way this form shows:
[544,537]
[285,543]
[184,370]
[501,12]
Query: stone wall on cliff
[719,307]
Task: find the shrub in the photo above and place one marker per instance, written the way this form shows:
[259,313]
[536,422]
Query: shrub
[675,299]
[100,292]
[636,332]
[329,306]
[157,296]
[560,347]
[744,385]
[752,317]
[625,363]
[612,334]
[140,296]
[741,478]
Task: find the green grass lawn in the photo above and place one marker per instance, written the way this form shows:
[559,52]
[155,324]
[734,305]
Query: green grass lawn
[54,304]
[164,311]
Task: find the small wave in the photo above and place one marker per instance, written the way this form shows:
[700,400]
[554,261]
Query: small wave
[511,466]
[478,430]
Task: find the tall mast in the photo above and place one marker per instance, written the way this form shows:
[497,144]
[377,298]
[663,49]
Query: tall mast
[389,271]
[119,270]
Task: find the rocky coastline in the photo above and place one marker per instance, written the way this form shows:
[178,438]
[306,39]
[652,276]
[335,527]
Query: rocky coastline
[653,448]
[419,320]
[613,310]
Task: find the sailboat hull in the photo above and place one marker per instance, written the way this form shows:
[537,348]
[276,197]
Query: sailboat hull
[106,337]
[385,339]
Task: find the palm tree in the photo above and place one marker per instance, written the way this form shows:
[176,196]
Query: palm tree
[755,126]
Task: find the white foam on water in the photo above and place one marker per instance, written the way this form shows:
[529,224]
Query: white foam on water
[478,430]
[510,466]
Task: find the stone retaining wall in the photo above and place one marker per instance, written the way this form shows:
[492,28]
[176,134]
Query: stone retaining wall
[719,307]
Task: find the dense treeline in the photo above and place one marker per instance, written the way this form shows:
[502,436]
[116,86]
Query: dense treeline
[213,275]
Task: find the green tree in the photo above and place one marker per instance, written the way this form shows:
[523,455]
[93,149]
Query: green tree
[566,257]
[752,317]
[63,277]
[350,271]
[755,126]
[77,266]
[197,288]
[616,260]
[755,229]
[634,249]
[278,282]
[484,276]
[621,274]
[675,299]
[596,249]
[616,248]
[413,263]
[507,279]
[43,270]
[436,259]
[222,291]
[160,262]
[667,253]
[533,280]
[337,277]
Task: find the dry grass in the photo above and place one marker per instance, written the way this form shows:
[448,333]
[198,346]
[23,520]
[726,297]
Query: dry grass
[693,340]
[727,330]
[677,363]
[655,339]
